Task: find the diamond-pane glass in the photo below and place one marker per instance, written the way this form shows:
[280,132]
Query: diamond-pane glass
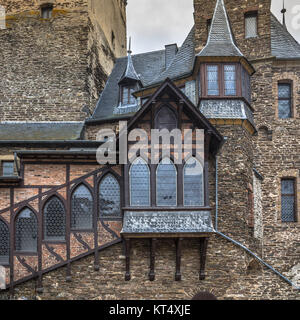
[287,208]
[166,183]
[109,196]
[26,231]
[246,85]
[251,26]
[139,183]
[4,243]
[54,220]
[212,81]
[193,183]
[284,90]
[284,109]
[230,80]
[288,187]
[82,208]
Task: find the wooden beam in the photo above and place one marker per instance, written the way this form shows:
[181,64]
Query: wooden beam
[178,259]
[127,255]
[203,249]
[152,259]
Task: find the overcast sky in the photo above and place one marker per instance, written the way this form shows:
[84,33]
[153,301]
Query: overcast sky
[154,23]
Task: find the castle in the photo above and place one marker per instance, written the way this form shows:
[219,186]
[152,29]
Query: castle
[72,228]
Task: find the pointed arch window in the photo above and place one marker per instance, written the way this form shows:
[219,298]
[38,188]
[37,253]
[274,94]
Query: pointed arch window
[166,183]
[4,243]
[109,197]
[193,184]
[54,220]
[26,231]
[139,183]
[82,209]
[166,119]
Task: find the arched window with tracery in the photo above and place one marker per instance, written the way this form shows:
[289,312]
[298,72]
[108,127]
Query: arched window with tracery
[139,183]
[166,183]
[193,185]
[166,119]
[109,196]
[54,220]
[26,229]
[4,243]
[82,208]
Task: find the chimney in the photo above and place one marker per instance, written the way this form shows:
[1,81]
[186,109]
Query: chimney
[170,53]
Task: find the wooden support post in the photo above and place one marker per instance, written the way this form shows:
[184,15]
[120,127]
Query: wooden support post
[11,243]
[152,259]
[178,259]
[95,225]
[203,249]
[127,255]
[68,225]
[40,249]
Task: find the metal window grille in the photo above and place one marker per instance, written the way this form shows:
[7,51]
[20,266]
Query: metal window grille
[212,80]
[26,231]
[251,25]
[166,183]
[230,80]
[109,196]
[193,183]
[4,243]
[8,168]
[284,101]
[288,200]
[54,220]
[139,183]
[82,208]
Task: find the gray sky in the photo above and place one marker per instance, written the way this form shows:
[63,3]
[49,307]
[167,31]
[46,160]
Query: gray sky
[154,23]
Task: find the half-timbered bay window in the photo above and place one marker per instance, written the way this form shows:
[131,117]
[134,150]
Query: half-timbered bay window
[109,197]
[4,243]
[54,220]
[288,200]
[26,231]
[82,209]
[284,100]
[139,183]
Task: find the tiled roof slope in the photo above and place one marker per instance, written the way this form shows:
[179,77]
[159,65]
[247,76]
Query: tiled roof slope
[283,45]
[130,72]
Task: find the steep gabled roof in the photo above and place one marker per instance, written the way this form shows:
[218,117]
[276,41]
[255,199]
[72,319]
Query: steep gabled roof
[130,73]
[283,45]
[220,41]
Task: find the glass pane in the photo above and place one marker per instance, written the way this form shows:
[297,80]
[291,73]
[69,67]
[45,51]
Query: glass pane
[82,209]
[251,26]
[193,183]
[212,81]
[288,208]
[109,196]
[139,183]
[284,109]
[54,220]
[132,99]
[166,119]
[8,168]
[4,243]
[166,183]
[230,80]
[26,231]
[287,186]
[284,90]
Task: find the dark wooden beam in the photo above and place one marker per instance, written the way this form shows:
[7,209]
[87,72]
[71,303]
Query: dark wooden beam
[40,252]
[127,255]
[203,250]
[152,259]
[68,225]
[178,259]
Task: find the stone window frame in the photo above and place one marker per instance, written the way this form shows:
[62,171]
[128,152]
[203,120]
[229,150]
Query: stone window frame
[46,5]
[289,174]
[286,77]
[251,13]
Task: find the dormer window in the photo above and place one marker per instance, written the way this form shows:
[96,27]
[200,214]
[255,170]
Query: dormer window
[251,25]
[46,11]
[126,95]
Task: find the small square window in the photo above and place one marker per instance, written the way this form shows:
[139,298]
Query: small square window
[251,25]
[7,168]
[47,11]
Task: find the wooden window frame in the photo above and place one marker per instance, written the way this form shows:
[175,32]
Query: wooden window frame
[290,83]
[248,14]
[294,195]
[130,89]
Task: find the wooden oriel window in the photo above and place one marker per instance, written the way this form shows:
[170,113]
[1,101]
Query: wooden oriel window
[285,100]
[251,21]
[288,200]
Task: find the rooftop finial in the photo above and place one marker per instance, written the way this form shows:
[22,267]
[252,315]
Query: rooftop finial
[129,49]
[283,11]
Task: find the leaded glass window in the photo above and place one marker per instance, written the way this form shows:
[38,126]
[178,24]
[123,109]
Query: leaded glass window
[230,80]
[213,80]
[26,231]
[251,25]
[82,209]
[288,200]
[8,168]
[193,183]
[166,119]
[109,196]
[4,243]
[54,220]
[284,101]
[127,97]
[166,183]
[139,183]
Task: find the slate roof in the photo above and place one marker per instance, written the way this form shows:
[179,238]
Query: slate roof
[220,40]
[41,131]
[283,45]
[130,72]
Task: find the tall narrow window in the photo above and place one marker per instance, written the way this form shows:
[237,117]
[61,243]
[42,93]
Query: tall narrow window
[47,11]
[4,243]
[127,97]
[199,85]
[139,183]
[230,80]
[82,208]
[166,183]
[193,183]
[109,197]
[7,168]
[288,200]
[54,220]
[26,231]
[284,100]
[213,80]
[251,25]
